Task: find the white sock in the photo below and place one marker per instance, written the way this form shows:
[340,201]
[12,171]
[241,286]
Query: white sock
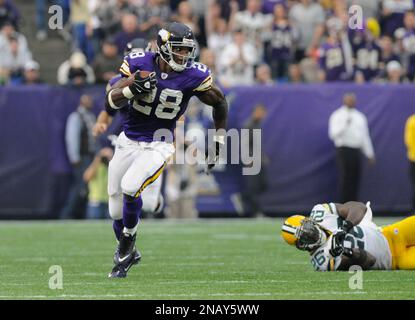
[131,231]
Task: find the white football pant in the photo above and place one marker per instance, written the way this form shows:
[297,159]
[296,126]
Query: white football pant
[136,170]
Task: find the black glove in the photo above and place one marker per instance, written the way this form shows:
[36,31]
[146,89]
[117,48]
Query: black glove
[348,252]
[347,226]
[143,85]
[212,155]
[337,243]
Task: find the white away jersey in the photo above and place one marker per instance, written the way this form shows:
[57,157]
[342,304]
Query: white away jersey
[366,235]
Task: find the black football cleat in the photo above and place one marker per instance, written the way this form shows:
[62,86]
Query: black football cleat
[125,257]
[120,270]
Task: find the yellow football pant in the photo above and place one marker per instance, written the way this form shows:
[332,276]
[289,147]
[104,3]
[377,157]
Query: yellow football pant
[401,239]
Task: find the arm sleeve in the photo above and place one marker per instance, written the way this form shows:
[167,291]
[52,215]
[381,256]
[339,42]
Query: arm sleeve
[204,79]
[205,85]
[73,137]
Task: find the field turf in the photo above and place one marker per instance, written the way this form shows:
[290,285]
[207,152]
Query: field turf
[199,259]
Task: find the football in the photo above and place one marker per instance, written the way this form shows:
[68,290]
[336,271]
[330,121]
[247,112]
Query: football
[127,81]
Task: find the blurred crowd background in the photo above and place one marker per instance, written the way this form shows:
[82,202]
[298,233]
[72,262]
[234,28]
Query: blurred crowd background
[242,41]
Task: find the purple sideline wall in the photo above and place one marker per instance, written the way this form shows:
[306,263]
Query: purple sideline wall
[302,172]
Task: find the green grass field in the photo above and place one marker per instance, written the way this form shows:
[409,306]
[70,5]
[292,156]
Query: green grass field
[201,259]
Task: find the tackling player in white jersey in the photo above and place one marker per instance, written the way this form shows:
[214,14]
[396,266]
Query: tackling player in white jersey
[338,236]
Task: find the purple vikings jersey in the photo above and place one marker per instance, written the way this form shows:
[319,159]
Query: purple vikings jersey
[281,41]
[161,108]
[368,57]
[331,60]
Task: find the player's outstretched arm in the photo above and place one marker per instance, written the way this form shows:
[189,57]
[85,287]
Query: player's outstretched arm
[356,257]
[216,99]
[352,212]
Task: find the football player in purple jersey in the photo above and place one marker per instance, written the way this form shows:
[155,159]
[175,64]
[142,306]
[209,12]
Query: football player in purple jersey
[151,104]
[152,197]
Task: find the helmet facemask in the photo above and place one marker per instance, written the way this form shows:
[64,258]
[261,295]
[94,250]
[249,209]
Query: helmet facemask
[170,56]
[310,236]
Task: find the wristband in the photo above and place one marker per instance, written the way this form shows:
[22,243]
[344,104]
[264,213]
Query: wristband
[127,93]
[219,139]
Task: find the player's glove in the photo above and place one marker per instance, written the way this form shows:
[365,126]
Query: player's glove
[347,226]
[143,85]
[337,243]
[212,152]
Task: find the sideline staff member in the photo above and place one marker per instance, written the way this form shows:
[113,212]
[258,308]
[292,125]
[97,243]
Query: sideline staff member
[349,131]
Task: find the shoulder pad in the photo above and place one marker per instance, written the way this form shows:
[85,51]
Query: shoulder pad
[137,61]
[203,77]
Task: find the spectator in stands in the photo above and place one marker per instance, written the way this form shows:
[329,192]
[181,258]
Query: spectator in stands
[254,185]
[75,71]
[80,18]
[213,14]
[388,52]
[14,52]
[207,57]
[295,74]
[31,73]
[186,16]
[229,7]
[108,16]
[367,52]
[253,23]
[80,146]
[307,17]
[96,176]
[199,10]
[130,31]
[410,145]
[393,14]
[268,6]
[153,16]
[219,35]
[349,131]
[237,61]
[106,64]
[279,55]
[408,43]
[263,75]
[335,54]
[9,13]
[395,73]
